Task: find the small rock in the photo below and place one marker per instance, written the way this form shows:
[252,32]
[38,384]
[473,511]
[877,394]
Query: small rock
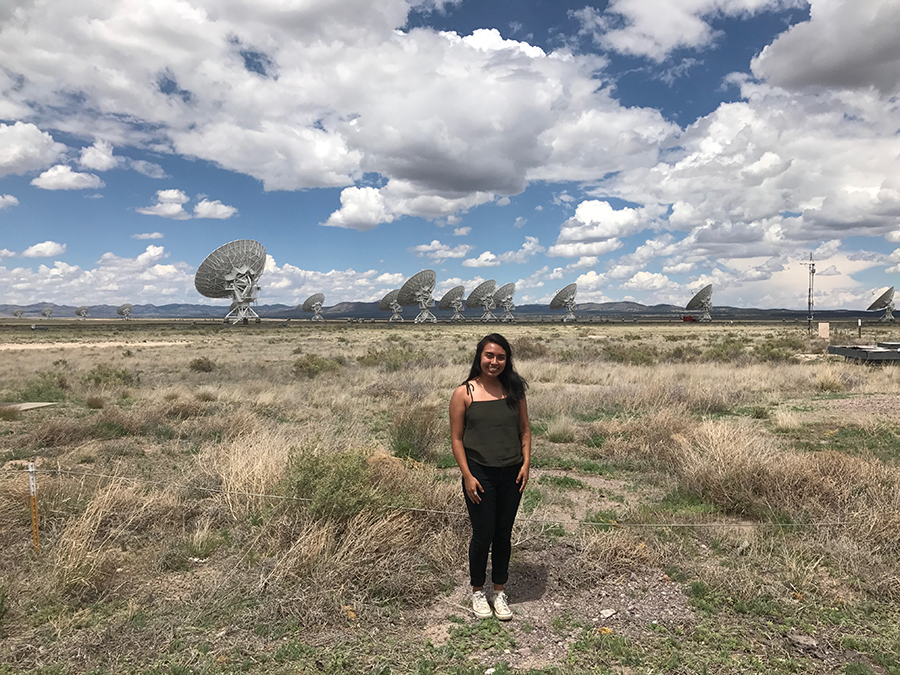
[606,613]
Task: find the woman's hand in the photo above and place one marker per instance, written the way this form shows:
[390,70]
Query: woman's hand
[473,488]
[522,478]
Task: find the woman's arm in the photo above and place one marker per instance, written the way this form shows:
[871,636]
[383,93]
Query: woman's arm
[525,432]
[458,404]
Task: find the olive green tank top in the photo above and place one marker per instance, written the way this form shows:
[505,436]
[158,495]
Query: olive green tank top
[491,436]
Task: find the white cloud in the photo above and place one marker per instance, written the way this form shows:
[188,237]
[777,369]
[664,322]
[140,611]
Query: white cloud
[597,228]
[61,177]
[844,45]
[6,253]
[321,94]
[520,222]
[440,252]
[99,157]
[8,200]
[461,231]
[148,169]
[215,209]
[46,249]
[24,147]
[486,259]
[647,281]
[169,204]
[148,235]
[656,28]
[361,209]
[581,250]
[529,249]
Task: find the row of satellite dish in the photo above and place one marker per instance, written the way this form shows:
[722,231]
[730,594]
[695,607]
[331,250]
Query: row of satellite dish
[233,271]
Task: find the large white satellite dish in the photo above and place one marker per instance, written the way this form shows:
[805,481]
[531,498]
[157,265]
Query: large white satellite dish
[503,297]
[702,300]
[233,271]
[483,296]
[885,301]
[565,298]
[453,299]
[82,312]
[314,304]
[417,290]
[125,310]
[389,304]
[47,312]
[19,313]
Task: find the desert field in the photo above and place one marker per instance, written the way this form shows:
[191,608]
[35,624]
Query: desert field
[281,498]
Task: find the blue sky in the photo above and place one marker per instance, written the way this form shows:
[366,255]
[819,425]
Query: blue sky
[640,148]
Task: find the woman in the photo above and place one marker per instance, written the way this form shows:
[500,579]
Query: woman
[491,442]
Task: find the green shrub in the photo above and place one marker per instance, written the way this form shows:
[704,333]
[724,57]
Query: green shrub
[94,402]
[415,432]
[311,365]
[633,355]
[202,364]
[393,358]
[105,375]
[9,414]
[336,486]
[728,349]
[779,349]
[45,386]
[529,348]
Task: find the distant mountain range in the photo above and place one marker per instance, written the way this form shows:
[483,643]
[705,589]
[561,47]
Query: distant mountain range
[369,310]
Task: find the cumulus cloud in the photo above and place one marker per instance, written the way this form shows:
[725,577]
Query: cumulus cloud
[303,96]
[486,259]
[6,253]
[99,157]
[461,231]
[844,45]
[8,200]
[656,28]
[169,204]
[597,228]
[45,249]
[440,252]
[148,169]
[213,209]
[148,235]
[647,281]
[24,147]
[61,177]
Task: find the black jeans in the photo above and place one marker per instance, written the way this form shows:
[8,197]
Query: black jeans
[492,521]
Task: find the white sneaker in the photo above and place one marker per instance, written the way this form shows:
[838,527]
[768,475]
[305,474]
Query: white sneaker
[501,606]
[480,605]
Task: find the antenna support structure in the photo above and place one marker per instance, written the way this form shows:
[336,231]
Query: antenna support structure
[417,290]
[566,298]
[702,300]
[885,301]
[503,297]
[453,299]
[314,304]
[233,271]
[809,303]
[483,296]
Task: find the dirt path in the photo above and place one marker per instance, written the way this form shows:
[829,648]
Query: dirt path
[10,346]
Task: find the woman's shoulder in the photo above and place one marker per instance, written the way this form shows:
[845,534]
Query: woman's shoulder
[464,390]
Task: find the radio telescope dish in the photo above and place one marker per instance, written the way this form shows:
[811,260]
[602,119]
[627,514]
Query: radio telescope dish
[82,312]
[314,304]
[389,304]
[47,312]
[503,297]
[233,271]
[885,301]
[702,301]
[453,299]
[417,290]
[125,310]
[483,296]
[565,298]
[19,313]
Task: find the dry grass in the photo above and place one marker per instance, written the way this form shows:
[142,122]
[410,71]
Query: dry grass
[283,495]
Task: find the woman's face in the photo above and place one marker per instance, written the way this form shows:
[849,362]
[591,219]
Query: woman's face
[493,359]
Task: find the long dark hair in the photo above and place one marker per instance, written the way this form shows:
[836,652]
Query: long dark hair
[513,384]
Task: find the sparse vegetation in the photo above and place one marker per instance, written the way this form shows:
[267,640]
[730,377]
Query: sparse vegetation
[731,491]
